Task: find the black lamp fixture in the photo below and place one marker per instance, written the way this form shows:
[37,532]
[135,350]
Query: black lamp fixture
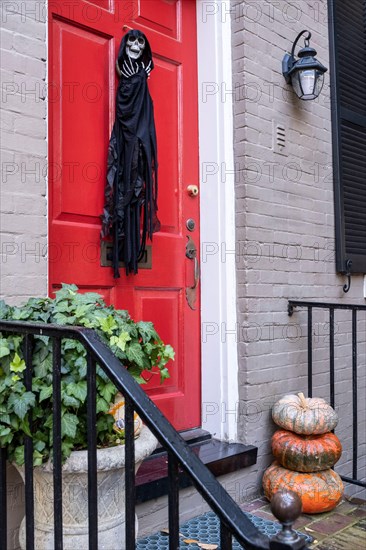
[306,74]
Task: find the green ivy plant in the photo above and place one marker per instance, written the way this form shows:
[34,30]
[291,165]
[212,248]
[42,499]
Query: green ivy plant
[136,344]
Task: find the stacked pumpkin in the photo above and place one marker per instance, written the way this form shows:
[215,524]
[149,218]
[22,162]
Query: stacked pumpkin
[305,451]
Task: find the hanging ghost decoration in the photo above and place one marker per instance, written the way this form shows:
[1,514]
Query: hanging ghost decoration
[130,208]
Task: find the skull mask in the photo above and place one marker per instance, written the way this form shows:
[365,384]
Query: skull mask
[135,46]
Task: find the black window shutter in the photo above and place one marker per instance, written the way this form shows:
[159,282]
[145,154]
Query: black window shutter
[347,27]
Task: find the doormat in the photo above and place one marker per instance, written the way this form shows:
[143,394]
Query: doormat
[205,529]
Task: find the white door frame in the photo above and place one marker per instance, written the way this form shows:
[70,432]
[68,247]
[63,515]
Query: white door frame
[217,201]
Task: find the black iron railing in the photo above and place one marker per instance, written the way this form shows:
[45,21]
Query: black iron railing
[331,308]
[233,521]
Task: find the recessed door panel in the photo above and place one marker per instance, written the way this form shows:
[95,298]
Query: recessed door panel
[81,117]
[163,16]
[163,309]
[105,4]
[168,127]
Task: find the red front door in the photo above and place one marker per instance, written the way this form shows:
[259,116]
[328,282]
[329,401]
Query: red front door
[84,37]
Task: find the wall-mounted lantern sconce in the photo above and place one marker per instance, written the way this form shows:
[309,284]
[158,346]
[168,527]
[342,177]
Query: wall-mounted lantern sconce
[306,74]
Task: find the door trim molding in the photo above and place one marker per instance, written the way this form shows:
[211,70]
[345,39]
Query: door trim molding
[219,328]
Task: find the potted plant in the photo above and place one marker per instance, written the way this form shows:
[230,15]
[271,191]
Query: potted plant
[139,348]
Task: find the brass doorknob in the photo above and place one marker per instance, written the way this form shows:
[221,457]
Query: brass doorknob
[192,190]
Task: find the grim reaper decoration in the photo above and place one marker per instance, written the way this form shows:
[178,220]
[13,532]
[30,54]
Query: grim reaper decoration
[129,215]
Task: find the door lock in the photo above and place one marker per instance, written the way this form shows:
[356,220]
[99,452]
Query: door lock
[190,224]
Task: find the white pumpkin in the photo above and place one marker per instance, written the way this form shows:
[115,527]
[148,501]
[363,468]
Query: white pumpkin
[302,415]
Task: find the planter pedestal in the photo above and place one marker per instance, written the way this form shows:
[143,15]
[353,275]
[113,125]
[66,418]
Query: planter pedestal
[111,498]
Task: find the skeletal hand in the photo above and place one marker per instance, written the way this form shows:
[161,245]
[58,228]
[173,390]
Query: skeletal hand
[129,69]
[147,69]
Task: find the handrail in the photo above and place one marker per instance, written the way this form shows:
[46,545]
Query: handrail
[230,514]
[322,305]
[332,307]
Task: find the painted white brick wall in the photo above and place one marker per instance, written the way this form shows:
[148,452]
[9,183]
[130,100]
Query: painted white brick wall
[23,206]
[23,259]
[285,228]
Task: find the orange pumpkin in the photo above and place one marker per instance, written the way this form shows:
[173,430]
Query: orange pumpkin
[319,491]
[304,415]
[306,453]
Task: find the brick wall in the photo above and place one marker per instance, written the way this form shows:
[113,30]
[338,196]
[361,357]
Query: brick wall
[23,259]
[285,226]
[23,221]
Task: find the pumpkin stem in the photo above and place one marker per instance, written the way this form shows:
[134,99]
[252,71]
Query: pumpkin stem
[303,400]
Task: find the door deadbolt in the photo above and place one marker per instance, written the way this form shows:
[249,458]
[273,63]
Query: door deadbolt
[190,224]
[192,190]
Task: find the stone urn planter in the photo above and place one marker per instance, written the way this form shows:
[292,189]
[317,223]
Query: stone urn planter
[111,497]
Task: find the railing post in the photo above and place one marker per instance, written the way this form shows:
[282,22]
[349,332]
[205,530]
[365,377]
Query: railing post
[28,450]
[173,504]
[56,457]
[354,394]
[331,355]
[310,352]
[3,500]
[92,455]
[130,475]
[226,540]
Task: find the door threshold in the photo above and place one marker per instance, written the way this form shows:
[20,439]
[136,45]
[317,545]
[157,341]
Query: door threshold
[220,457]
[194,435]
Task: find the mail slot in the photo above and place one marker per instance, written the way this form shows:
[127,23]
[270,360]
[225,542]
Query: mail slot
[106,256]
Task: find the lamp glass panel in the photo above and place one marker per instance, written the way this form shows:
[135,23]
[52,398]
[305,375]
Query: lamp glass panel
[308,82]
[318,83]
[296,84]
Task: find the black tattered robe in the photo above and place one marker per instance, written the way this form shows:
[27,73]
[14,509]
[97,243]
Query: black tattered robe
[129,215]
